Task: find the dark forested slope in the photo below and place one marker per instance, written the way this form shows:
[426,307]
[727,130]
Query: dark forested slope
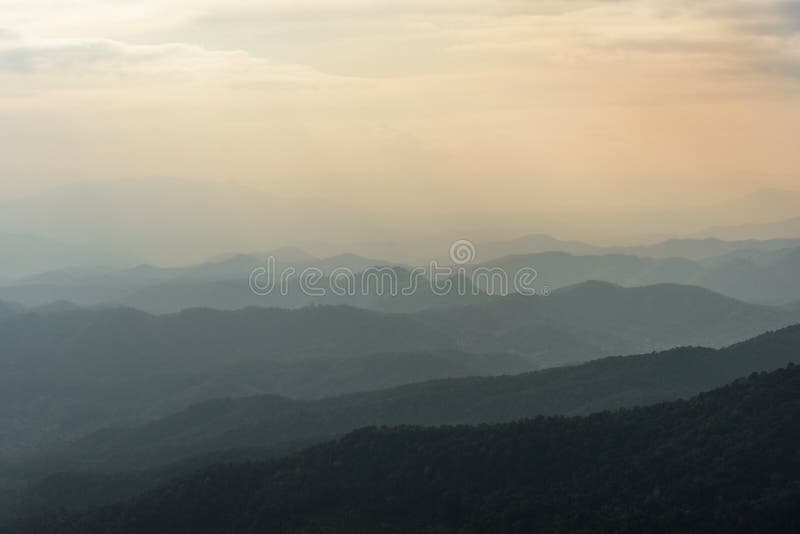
[599,385]
[725,461]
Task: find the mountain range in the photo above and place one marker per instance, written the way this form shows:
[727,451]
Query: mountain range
[24,254]
[768,230]
[752,275]
[157,220]
[269,421]
[693,248]
[724,461]
[754,271]
[65,371]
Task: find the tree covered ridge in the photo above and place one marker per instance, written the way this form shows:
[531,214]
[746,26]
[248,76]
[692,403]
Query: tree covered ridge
[724,461]
[595,386]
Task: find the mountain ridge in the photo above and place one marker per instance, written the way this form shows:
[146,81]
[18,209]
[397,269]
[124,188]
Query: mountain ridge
[609,383]
[641,469]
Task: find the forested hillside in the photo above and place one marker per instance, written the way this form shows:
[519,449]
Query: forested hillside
[270,420]
[725,461]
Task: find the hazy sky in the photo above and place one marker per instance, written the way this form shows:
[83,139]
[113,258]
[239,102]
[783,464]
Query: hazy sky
[469,102]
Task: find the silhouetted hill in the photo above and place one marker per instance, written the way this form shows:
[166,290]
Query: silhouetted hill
[24,254]
[222,283]
[58,306]
[232,294]
[531,244]
[787,228]
[7,309]
[755,271]
[755,276]
[683,248]
[67,372]
[725,461]
[157,219]
[606,319]
[599,385]
[704,248]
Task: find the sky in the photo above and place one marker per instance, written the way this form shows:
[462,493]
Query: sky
[419,105]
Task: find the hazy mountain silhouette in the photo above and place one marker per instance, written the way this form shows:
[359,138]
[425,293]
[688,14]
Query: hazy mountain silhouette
[261,423]
[63,374]
[369,293]
[703,248]
[222,283]
[157,219]
[788,228]
[282,254]
[682,248]
[24,254]
[7,309]
[598,385]
[747,274]
[616,319]
[758,274]
[531,244]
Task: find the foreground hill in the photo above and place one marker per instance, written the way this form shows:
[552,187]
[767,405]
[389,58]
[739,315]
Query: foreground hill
[269,420]
[725,461]
[260,426]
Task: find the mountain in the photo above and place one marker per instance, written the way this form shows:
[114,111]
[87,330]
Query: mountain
[95,293]
[764,205]
[24,254]
[788,228]
[7,309]
[66,371]
[530,244]
[270,420]
[281,254]
[756,271]
[760,276]
[702,248]
[222,283]
[755,276]
[170,221]
[608,319]
[559,269]
[63,374]
[724,461]
[369,290]
[692,248]
[322,377]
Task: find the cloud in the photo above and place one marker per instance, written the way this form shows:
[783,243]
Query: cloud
[99,61]
[8,35]
[776,16]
